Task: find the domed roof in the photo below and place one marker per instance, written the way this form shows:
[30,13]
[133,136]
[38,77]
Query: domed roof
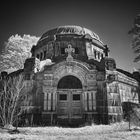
[71,29]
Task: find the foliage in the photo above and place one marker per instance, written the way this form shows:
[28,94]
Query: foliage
[12,96]
[134,117]
[135,31]
[17,50]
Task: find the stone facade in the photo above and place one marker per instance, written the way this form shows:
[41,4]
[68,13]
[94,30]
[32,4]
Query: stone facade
[75,81]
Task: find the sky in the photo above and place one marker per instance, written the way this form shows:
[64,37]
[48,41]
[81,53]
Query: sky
[110,20]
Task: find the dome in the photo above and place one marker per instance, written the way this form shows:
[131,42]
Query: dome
[71,30]
[83,43]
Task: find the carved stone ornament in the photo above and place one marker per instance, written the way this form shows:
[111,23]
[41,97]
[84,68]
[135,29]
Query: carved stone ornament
[110,78]
[69,69]
[69,50]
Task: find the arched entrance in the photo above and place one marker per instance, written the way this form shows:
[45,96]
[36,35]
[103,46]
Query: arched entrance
[69,92]
[69,82]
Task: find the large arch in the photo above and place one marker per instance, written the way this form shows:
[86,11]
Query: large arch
[69,82]
[69,95]
[64,69]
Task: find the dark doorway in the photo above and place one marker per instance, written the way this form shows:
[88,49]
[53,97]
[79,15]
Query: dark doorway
[69,82]
[69,105]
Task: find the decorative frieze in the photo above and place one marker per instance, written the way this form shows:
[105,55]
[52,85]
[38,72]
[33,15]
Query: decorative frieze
[125,79]
[128,93]
[112,87]
[91,77]
[69,69]
[48,76]
[84,66]
[48,80]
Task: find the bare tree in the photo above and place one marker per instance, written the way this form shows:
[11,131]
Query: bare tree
[12,97]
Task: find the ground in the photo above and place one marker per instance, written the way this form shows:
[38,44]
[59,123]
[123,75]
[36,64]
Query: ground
[118,131]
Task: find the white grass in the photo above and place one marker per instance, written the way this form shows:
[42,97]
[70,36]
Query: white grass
[118,131]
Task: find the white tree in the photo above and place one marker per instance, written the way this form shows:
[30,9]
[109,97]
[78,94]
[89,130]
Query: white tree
[12,97]
[16,51]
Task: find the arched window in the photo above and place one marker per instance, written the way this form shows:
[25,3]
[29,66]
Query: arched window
[95,53]
[98,55]
[62,50]
[76,50]
[57,47]
[45,54]
[41,56]
[89,49]
[102,56]
[37,56]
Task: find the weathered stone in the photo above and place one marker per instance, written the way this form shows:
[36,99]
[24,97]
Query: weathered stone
[81,82]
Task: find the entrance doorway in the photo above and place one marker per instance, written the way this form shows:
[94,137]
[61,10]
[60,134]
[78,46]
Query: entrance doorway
[69,92]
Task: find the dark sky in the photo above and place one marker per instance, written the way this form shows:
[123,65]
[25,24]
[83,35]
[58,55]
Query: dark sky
[111,20]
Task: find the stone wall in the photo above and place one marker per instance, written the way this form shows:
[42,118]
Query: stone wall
[120,90]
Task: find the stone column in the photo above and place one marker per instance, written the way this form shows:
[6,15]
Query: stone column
[45,101]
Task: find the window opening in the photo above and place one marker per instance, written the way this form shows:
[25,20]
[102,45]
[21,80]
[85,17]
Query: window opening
[76,50]
[45,54]
[95,53]
[63,97]
[37,56]
[76,97]
[41,55]
[62,50]
[99,55]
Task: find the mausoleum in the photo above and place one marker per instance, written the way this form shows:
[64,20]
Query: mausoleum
[75,81]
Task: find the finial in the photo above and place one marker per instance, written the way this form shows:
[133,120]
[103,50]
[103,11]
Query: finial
[69,50]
